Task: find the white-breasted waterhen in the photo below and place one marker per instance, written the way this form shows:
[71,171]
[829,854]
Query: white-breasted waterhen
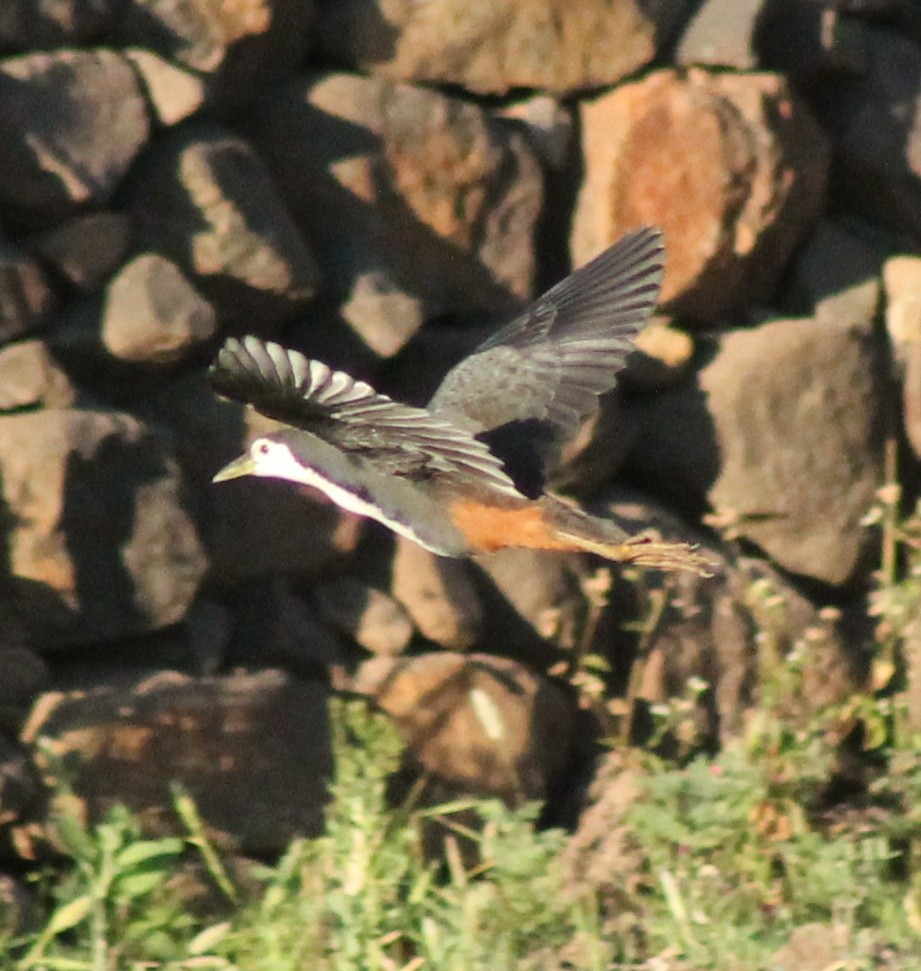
[466,474]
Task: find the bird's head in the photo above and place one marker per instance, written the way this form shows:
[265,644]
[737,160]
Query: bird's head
[268,456]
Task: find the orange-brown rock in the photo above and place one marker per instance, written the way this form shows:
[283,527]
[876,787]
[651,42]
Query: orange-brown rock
[732,167]
[486,725]
[418,204]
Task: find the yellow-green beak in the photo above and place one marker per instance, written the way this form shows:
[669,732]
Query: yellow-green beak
[244,465]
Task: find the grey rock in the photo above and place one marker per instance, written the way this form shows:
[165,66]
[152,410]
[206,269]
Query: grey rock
[30,378]
[152,314]
[87,249]
[722,33]
[203,197]
[549,125]
[812,41]
[71,123]
[782,433]
[902,287]
[18,783]
[99,545]
[27,301]
[27,25]
[836,277]
[534,602]
[174,94]
[23,674]
[439,595]
[874,121]
[724,631]
[236,47]
[252,750]
[374,620]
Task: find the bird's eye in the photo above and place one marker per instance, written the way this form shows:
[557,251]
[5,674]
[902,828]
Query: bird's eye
[262,448]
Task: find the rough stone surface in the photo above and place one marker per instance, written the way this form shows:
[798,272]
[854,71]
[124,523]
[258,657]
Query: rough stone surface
[252,750]
[439,595]
[722,33]
[533,599]
[30,377]
[26,299]
[726,629]
[22,675]
[902,283]
[71,122]
[491,46]
[369,616]
[18,784]
[484,724]
[87,249]
[19,906]
[601,853]
[875,125]
[911,395]
[549,126]
[204,198]
[594,456]
[837,276]
[732,167]
[236,47]
[419,204]
[735,439]
[174,94]
[813,41]
[42,24]
[151,313]
[103,548]
[663,356]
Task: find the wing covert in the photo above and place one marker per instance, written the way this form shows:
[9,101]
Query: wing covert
[287,386]
[526,389]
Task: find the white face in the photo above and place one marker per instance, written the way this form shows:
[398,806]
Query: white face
[275,460]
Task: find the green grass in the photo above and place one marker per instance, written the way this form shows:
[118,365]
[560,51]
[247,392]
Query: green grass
[363,895]
[736,852]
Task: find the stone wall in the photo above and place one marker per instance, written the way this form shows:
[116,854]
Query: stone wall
[378,183]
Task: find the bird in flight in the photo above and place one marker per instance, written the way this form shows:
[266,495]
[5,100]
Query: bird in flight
[467,473]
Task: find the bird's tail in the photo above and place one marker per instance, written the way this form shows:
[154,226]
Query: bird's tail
[605,538]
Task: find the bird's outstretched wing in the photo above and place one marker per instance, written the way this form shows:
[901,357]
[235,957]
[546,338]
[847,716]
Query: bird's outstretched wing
[525,391]
[396,439]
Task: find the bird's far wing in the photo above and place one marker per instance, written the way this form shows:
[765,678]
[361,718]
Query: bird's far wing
[288,386]
[526,389]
